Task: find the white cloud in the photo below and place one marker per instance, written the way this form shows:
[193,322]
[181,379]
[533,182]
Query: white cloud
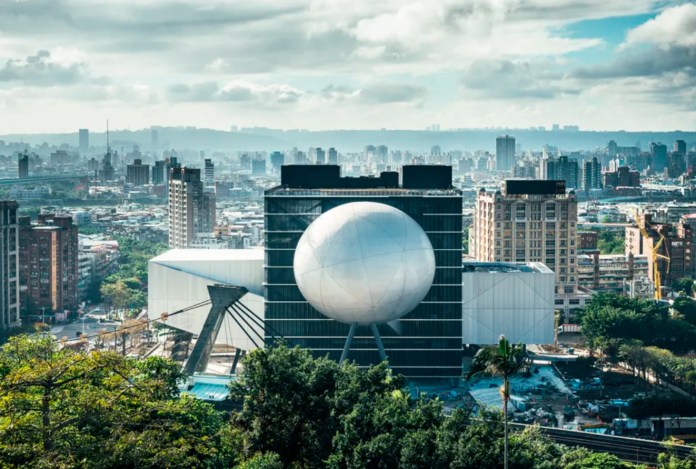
[282,62]
[674,26]
[235,91]
[45,68]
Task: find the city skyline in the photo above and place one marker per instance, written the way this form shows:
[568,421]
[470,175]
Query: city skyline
[348,65]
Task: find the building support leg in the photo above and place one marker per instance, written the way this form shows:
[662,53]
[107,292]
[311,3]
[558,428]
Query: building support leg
[378,339]
[349,342]
[237,356]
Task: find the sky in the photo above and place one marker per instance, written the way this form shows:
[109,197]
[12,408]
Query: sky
[347,64]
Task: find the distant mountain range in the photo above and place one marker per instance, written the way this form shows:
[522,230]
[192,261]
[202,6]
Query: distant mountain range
[181,138]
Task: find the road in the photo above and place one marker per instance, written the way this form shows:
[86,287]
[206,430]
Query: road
[91,326]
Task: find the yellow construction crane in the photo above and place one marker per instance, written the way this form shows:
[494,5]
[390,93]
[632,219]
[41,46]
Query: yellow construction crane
[657,281]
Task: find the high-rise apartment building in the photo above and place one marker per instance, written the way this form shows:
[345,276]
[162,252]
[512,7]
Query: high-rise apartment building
[319,156]
[333,156]
[208,172]
[138,174]
[504,153]
[591,175]
[107,172]
[9,265]
[528,221]
[427,342]
[622,177]
[258,166]
[23,165]
[658,154]
[84,140]
[680,147]
[160,173]
[277,160]
[676,164]
[191,209]
[561,168]
[48,272]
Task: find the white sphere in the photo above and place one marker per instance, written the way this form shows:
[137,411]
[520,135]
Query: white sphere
[364,262]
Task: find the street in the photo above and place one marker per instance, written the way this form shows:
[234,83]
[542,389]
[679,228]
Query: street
[91,327]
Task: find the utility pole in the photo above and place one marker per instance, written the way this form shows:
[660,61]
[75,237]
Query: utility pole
[43,319]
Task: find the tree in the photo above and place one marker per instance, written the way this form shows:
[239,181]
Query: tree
[286,401]
[661,405]
[685,286]
[686,307]
[48,394]
[670,461]
[610,321]
[388,430]
[598,461]
[117,294]
[173,433]
[611,242]
[65,408]
[504,361]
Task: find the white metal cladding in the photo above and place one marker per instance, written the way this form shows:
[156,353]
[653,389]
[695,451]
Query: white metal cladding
[519,305]
[179,278]
[364,262]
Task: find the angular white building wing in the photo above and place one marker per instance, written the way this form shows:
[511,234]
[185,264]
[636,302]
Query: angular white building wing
[179,278]
[511,299]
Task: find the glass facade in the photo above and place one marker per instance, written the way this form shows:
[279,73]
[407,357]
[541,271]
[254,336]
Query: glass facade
[427,342]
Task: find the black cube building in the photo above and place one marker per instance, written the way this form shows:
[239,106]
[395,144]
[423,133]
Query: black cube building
[427,342]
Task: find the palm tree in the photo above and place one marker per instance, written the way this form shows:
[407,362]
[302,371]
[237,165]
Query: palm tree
[504,361]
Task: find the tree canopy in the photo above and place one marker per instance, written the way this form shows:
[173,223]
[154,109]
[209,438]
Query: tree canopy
[65,408]
[610,320]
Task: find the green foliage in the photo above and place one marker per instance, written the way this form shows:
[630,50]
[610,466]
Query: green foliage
[504,360]
[598,461]
[180,433]
[684,286]
[25,328]
[686,308]
[305,412]
[262,461]
[670,461]
[62,408]
[286,397]
[611,242]
[611,320]
[126,289]
[643,334]
[660,405]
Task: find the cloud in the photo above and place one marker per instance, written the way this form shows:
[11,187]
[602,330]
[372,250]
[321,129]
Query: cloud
[653,61]
[675,26]
[392,93]
[285,62]
[195,92]
[236,91]
[60,67]
[516,79]
[338,93]
[655,64]
[659,47]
